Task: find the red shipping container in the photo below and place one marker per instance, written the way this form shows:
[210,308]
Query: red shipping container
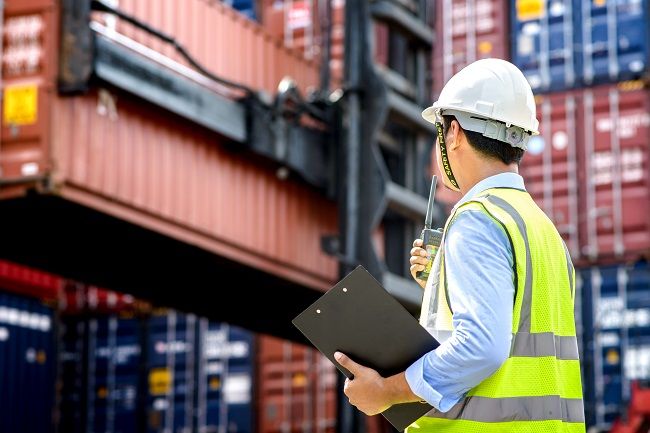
[615,210]
[146,166]
[28,281]
[297,388]
[549,167]
[467,30]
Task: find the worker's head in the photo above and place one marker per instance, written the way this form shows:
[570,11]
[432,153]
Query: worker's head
[485,115]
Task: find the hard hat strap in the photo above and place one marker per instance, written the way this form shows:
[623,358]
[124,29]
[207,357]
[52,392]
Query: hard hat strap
[446,165]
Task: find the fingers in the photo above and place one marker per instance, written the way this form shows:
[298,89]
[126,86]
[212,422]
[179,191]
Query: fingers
[417,251]
[417,243]
[417,260]
[349,364]
[416,268]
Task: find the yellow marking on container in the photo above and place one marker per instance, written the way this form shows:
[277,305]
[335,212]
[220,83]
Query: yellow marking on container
[160,381]
[530,9]
[20,105]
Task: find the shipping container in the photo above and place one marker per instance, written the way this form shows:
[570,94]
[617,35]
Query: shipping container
[245,7]
[226,378]
[170,365]
[560,44]
[114,154]
[614,39]
[29,282]
[27,364]
[616,337]
[297,388]
[100,366]
[170,372]
[550,166]
[543,44]
[615,163]
[467,30]
[247,54]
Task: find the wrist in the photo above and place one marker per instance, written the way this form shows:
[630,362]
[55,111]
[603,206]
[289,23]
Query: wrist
[397,390]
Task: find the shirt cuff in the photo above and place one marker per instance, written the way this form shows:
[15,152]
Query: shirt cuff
[415,378]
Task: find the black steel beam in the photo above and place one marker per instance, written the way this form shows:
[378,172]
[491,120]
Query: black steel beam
[408,113]
[406,291]
[152,82]
[397,82]
[409,24]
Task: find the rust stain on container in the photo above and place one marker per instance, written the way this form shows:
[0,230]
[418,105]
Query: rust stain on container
[154,169]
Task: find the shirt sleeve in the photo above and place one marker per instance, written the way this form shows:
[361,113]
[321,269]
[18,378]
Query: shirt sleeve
[481,287]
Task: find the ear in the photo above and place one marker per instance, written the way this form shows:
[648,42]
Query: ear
[455,134]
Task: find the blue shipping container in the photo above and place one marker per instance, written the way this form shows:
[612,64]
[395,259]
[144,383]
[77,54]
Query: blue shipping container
[27,365]
[616,337]
[246,7]
[543,43]
[614,39]
[100,372]
[225,371]
[560,44]
[170,362]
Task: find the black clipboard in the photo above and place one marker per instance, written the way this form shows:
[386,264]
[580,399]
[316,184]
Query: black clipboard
[361,319]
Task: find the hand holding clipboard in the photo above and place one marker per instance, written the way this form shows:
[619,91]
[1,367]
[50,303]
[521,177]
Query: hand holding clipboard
[361,319]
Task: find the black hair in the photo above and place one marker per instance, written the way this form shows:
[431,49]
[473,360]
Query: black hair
[487,146]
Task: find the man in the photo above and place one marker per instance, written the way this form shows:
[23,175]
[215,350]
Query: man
[501,292]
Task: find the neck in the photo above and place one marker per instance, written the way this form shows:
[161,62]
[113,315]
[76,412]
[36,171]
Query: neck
[484,171]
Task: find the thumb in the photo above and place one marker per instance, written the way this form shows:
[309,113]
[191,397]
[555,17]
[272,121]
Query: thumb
[346,362]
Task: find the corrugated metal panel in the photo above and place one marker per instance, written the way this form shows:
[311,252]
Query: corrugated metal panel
[550,166]
[615,39]
[616,166]
[28,69]
[225,378]
[27,363]
[543,42]
[171,350]
[297,389]
[616,320]
[29,281]
[467,30]
[222,40]
[160,172]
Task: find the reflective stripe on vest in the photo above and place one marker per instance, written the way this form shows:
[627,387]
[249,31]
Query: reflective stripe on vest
[545,408]
[501,399]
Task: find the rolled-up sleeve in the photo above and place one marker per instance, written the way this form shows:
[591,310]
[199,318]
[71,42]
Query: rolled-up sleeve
[480,282]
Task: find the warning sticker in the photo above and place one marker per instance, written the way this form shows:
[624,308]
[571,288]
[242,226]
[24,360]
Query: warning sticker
[20,105]
[530,9]
[160,381]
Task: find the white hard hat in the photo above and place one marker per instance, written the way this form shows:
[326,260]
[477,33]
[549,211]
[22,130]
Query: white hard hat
[490,96]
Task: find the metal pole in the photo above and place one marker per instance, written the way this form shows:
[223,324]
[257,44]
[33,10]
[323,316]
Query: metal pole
[325,12]
[348,418]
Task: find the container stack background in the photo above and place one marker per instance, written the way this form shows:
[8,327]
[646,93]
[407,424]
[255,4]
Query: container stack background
[118,364]
[103,361]
[589,169]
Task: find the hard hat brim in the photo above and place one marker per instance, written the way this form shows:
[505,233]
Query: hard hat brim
[429,114]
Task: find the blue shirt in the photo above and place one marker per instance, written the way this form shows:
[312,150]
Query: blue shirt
[481,288]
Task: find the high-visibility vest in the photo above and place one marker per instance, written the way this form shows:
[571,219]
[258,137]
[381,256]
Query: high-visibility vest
[538,388]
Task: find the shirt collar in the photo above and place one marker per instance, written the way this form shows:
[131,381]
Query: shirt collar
[501,180]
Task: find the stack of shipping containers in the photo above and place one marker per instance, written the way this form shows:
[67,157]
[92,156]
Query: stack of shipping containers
[106,362]
[76,358]
[589,170]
